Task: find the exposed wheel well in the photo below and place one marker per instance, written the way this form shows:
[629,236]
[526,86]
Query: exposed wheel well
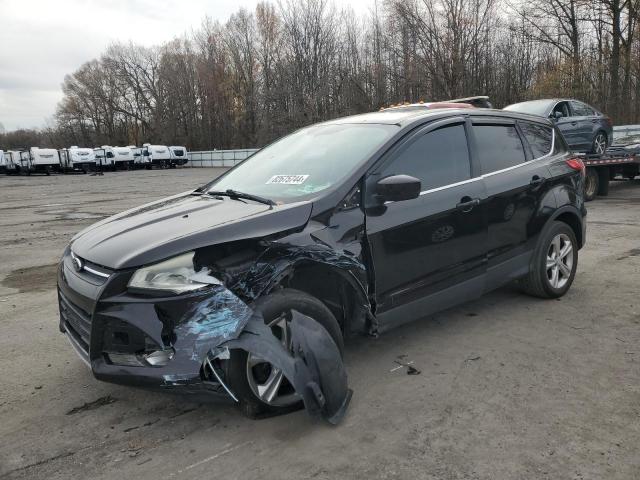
[331,287]
[573,221]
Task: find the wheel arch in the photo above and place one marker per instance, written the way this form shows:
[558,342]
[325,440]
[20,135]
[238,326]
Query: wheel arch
[337,288]
[572,217]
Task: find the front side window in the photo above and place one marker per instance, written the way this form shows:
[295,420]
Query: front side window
[561,110]
[540,138]
[499,147]
[306,162]
[437,158]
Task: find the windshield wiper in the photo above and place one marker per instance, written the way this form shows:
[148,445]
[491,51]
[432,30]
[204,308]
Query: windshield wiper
[241,195]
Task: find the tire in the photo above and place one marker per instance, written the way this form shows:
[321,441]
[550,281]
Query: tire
[239,369]
[538,282]
[591,184]
[599,144]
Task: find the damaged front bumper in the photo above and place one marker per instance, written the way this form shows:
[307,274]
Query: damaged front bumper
[180,343]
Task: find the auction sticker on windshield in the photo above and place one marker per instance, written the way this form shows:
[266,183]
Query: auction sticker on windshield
[288,179]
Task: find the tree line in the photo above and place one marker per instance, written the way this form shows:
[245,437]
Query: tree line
[284,65]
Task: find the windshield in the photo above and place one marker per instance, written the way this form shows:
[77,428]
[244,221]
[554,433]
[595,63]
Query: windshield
[306,162]
[535,107]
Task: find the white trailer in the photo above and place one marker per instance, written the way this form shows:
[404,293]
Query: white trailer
[105,156]
[42,160]
[159,155]
[123,157]
[178,155]
[12,159]
[77,159]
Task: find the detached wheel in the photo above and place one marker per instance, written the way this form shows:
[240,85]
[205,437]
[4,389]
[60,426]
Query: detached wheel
[554,264]
[599,145]
[260,387]
[591,184]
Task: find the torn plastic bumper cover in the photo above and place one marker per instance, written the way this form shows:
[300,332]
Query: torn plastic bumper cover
[314,367]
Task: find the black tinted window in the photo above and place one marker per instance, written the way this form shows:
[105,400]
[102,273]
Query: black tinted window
[539,137]
[437,158]
[499,147]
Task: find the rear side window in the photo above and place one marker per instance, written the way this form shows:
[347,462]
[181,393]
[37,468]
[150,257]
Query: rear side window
[499,147]
[581,110]
[437,158]
[540,138]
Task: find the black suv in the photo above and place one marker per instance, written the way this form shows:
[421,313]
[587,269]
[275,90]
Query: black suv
[354,225]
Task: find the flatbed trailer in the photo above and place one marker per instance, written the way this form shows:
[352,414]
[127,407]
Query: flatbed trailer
[601,169]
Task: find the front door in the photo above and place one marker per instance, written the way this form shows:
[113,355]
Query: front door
[429,252]
[567,124]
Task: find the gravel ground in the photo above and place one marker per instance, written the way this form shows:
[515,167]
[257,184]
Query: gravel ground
[510,386]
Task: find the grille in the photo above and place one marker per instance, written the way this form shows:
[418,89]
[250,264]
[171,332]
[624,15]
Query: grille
[77,322]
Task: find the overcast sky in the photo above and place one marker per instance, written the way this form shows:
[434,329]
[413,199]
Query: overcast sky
[42,40]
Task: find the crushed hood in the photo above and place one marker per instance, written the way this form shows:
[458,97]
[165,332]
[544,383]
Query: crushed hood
[180,223]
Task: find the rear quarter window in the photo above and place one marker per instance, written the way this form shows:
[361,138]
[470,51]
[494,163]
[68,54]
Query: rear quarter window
[498,147]
[539,137]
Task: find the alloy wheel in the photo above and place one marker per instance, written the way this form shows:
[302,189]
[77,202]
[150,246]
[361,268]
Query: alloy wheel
[266,381]
[600,144]
[559,261]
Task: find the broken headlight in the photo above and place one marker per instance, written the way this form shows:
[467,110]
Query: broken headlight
[176,275]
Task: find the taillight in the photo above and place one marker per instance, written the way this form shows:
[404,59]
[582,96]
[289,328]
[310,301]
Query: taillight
[576,164]
[609,121]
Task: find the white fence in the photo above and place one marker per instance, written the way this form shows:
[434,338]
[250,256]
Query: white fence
[218,158]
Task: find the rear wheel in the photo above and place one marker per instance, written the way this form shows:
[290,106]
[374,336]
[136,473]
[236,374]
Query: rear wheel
[260,387]
[554,264]
[599,145]
[591,184]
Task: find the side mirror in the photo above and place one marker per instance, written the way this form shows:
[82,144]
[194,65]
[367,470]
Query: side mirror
[556,115]
[398,188]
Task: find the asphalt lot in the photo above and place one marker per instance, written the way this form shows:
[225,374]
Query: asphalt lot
[510,386]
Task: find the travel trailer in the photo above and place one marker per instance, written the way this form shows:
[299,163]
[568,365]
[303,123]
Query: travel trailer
[105,157]
[12,161]
[41,160]
[123,157]
[158,155]
[77,159]
[178,155]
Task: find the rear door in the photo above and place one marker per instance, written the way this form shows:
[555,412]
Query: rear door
[428,252]
[582,115]
[514,182]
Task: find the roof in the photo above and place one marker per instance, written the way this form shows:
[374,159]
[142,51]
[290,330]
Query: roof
[410,114]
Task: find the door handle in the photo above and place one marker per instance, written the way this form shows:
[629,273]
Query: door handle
[594,121]
[536,181]
[467,203]
[574,123]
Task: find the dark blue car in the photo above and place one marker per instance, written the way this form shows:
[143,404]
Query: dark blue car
[584,128]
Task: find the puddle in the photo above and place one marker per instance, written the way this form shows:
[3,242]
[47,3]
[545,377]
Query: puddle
[32,279]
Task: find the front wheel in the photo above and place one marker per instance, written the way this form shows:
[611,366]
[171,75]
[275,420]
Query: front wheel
[260,387]
[554,264]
